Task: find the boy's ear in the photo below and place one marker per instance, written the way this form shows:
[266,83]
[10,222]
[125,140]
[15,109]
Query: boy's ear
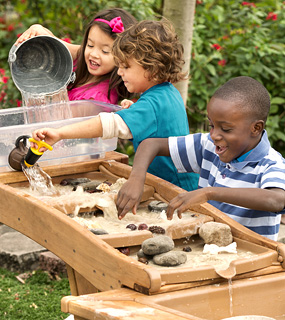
[257,127]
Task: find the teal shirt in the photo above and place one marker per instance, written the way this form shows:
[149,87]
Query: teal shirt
[160,113]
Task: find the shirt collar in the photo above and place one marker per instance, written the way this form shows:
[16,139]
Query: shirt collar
[254,155]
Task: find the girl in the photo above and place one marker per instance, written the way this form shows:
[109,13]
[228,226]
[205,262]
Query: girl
[96,73]
[149,57]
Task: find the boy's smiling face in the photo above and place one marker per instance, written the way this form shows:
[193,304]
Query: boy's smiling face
[232,129]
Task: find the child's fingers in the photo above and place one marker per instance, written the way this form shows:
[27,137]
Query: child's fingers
[125,104]
[38,135]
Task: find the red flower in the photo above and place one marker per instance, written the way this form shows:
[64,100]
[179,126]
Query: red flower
[216,46]
[271,16]
[19,35]
[199,2]
[222,63]
[2,95]
[11,27]
[66,40]
[248,4]
[2,71]
[19,102]
[5,79]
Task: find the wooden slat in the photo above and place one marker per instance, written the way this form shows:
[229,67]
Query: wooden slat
[68,168]
[102,265]
[118,305]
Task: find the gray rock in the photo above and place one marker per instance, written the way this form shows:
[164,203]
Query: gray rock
[216,233]
[157,206]
[98,231]
[157,245]
[171,258]
[140,254]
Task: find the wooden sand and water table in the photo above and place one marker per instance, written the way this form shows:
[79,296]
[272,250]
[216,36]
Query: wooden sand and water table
[252,283]
[129,288]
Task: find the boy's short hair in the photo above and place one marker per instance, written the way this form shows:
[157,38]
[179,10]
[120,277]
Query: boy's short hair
[155,46]
[249,94]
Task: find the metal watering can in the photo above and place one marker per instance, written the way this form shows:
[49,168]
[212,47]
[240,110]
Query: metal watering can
[41,65]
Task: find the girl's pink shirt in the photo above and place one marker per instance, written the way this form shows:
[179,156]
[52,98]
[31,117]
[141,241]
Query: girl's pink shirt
[97,92]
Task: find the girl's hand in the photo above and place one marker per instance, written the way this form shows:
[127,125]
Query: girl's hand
[49,135]
[125,104]
[34,30]
[185,201]
[129,197]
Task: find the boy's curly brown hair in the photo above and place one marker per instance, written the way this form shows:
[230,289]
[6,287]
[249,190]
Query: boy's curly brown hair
[155,46]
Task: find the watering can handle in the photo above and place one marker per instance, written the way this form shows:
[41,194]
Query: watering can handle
[40,144]
[12,54]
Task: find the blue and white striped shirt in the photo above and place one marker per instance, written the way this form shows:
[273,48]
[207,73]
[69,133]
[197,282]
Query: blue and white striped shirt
[262,168]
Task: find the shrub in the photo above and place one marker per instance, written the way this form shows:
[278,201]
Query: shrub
[235,38]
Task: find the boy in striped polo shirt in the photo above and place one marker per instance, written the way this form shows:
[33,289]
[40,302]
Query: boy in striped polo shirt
[240,173]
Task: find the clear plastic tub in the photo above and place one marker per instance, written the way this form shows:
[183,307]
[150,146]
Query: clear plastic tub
[15,122]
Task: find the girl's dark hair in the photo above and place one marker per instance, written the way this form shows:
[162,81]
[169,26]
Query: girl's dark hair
[82,73]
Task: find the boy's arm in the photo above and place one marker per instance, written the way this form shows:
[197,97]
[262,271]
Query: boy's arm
[91,128]
[130,194]
[272,200]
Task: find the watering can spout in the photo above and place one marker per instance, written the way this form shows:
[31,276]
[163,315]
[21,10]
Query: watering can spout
[22,156]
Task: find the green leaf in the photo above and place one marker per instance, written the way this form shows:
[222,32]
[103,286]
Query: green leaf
[211,69]
[270,71]
[277,100]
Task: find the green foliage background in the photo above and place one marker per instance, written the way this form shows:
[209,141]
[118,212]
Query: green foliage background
[251,44]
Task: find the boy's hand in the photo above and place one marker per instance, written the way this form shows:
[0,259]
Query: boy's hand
[34,30]
[49,135]
[125,104]
[185,201]
[129,197]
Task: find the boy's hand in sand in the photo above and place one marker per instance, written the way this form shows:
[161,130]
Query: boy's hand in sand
[129,197]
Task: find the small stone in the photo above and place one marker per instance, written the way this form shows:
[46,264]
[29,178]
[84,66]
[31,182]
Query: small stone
[142,226]
[90,186]
[156,229]
[157,245]
[74,181]
[216,233]
[157,206]
[98,231]
[140,254]
[187,249]
[143,260]
[171,258]
[124,250]
[131,226]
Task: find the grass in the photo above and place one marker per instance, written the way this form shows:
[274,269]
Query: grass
[37,299]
